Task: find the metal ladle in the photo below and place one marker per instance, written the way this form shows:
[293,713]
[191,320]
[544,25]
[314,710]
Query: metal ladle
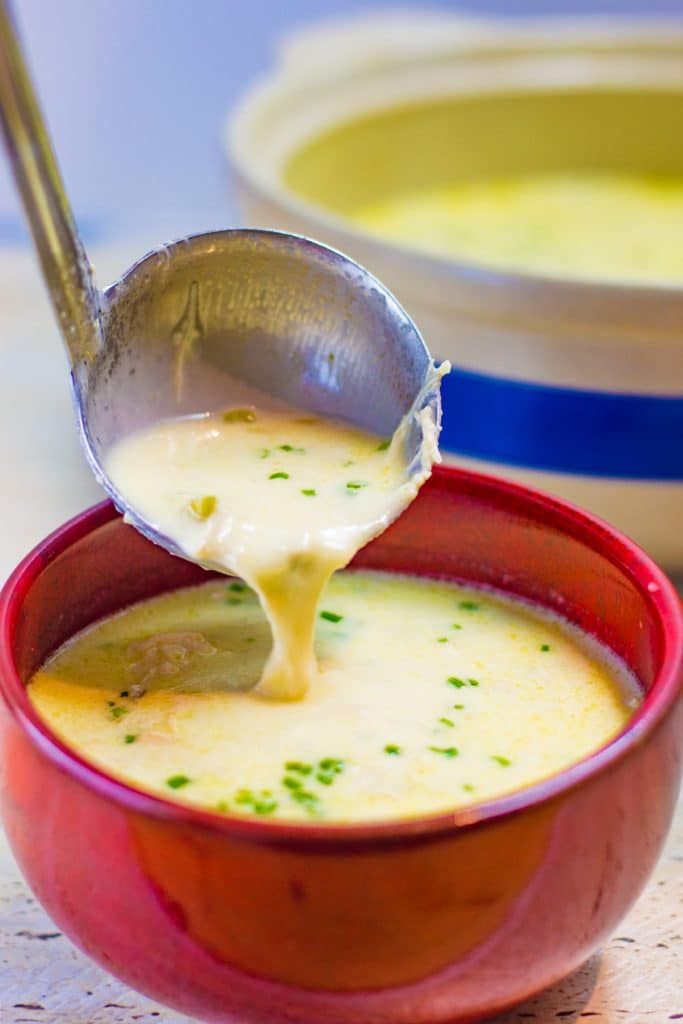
[193,322]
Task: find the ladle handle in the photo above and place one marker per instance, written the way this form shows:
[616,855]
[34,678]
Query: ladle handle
[65,265]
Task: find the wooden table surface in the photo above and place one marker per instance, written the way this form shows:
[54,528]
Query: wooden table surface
[637,979]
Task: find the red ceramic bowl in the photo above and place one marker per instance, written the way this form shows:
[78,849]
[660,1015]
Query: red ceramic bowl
[447,918]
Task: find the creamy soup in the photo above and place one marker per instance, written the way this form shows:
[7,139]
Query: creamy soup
[429,696]
[583,223]
[281,498]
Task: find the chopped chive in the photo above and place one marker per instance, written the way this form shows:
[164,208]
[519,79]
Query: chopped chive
[292,783]
[459,707]
[545,647]
[279,476]
[298,766]
[446,751]
[286,448]
[383,445]
[456,625]
[233,600]
[239,416]
[130,738]
[307,800]
[324,778]
[118,712]
[392,748]
[203,508]
[456,682]
[310,492]
[265,807]
[356,485]
[442,640]
[349,462]
[250,640]
[446,721]
[468,788]
[244,796]
[473,682]
[499,759]
[178,781]
[264,453]
[331,764]
[469,606]
[331,616]
[238,588]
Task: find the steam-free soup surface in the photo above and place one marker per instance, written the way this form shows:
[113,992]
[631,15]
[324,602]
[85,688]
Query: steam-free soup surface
[428,697]
[580,223]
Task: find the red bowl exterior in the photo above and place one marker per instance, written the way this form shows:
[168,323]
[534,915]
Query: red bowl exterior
[449,918]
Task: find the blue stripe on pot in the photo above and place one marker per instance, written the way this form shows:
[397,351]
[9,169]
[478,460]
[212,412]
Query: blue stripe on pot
[564,430]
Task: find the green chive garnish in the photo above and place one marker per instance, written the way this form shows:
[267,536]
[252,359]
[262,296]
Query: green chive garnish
[233,600]
[292,783]
[178,781]
[456,625]
[118,712]
[331,764]
[310,492]
[331,617]
[392,748]
[499,759]
[383,445]
[279,476]
[456,682]
[545,647]
[130,738]
[264,453]
[459,707]
[264,806]
[307,800]
[298,766]
[446,751]
[442,640]
[238,588]
[446,721]
[469,606]
[356,485]
[324,778]
[473,682]
[468,788]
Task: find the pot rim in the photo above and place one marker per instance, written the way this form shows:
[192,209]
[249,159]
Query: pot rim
[605,297]
[666,689]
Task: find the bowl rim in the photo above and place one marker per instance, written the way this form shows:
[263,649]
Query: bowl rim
[667,688]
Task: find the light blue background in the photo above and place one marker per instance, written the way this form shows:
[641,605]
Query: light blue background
[136,91]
